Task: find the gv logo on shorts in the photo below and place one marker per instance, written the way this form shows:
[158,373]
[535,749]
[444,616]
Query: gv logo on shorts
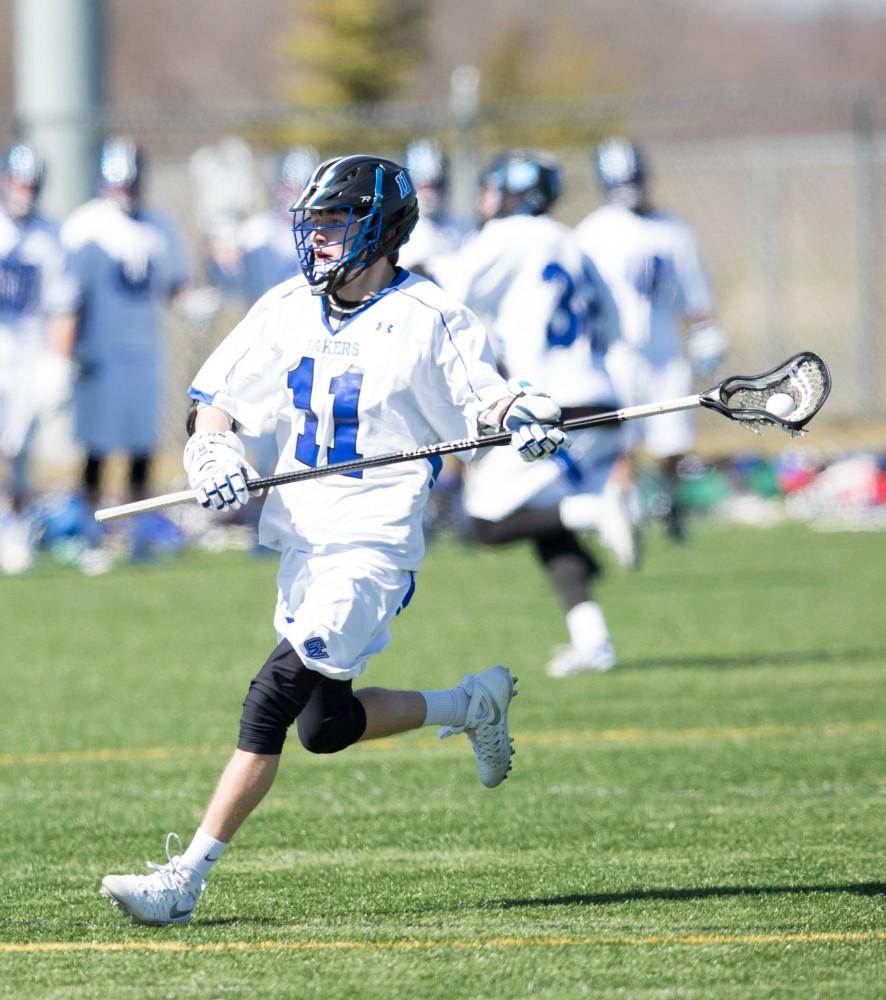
[316,648]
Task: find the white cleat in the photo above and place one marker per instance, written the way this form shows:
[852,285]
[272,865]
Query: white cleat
[569,660]
[167,896]
[486,722]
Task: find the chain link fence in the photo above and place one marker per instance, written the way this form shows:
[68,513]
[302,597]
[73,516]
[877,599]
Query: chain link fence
[790,224]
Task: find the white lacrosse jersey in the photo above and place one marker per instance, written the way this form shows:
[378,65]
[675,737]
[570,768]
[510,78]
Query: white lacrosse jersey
[268,253]
[653,266]
[33,282]
[412,367]
[34,287]
[126,268]
[549,315]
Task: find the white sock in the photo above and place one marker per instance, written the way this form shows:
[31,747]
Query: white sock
[445,708]
[586,625]
[203,852]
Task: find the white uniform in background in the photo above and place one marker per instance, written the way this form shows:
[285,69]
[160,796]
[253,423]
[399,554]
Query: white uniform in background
[126,269]
[550,320]
[33,287]
[653,267]
[411,368]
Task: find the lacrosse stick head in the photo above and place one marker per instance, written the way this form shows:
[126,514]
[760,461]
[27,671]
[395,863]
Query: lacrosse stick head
[801,383]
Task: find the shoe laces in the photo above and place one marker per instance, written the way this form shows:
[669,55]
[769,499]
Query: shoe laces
[172,875]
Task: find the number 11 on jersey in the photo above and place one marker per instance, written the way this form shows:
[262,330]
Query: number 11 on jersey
[345,392]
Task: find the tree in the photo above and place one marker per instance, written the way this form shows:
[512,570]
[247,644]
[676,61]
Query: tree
[348,54]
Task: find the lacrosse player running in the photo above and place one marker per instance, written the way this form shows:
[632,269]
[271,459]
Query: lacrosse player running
[36,299]
[651,261]
[355,357]
[551,318]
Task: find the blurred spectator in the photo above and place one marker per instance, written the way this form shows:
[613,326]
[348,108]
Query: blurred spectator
[35,306]
[128,263]
[223,183]
[550,318]
[437,230]
[267,248]
[651,261]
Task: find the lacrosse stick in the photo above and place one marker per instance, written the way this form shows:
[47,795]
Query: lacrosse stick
[795,390]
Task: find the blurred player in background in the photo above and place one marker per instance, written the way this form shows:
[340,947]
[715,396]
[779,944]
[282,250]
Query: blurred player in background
[551,320]
[438,230]
[223,192]
[35,320]
[267,254]
[652,262]
[128,263]
[354,357]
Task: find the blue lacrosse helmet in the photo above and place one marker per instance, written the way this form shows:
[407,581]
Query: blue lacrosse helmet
[24,164]
[121,166]
[529,183]
[621,172]
[292,168]
[24,171]
[426,163]
[380,210]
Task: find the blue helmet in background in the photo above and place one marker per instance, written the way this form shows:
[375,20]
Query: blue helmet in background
[121,169]
[426,163]
[621,172]
[291,170]
[24,171]
[528,183]
[24,164]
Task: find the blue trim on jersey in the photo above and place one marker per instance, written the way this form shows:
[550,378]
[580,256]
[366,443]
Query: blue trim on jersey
[200,396]
[570,467]
[410,591]
[398,279]
[436,463]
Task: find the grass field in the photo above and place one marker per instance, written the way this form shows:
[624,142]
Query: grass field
[705,821]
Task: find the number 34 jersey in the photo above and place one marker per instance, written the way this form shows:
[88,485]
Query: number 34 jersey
[550,316]
[412,367]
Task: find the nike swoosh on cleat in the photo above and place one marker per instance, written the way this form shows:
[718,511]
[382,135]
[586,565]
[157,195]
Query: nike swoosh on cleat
[175,912]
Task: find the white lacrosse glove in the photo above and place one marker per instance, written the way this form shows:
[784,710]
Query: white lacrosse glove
[529,417]
[53,383]
[706,347]
[215,462]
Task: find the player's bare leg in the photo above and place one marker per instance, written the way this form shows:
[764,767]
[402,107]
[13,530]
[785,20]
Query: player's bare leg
[245,781]
[391,712]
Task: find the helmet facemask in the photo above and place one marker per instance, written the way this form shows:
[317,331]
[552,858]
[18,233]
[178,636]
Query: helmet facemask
[350,243]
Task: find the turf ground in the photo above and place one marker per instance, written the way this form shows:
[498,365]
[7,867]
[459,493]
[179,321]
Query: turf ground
[705,821]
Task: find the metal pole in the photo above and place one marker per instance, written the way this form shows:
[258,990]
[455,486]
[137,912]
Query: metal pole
[58,72]
[464,104]
[867,360]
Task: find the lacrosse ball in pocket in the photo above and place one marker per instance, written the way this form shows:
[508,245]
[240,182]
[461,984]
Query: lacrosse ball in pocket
[780,404]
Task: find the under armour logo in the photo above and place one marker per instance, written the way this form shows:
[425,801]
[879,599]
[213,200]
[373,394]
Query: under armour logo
[316,648]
